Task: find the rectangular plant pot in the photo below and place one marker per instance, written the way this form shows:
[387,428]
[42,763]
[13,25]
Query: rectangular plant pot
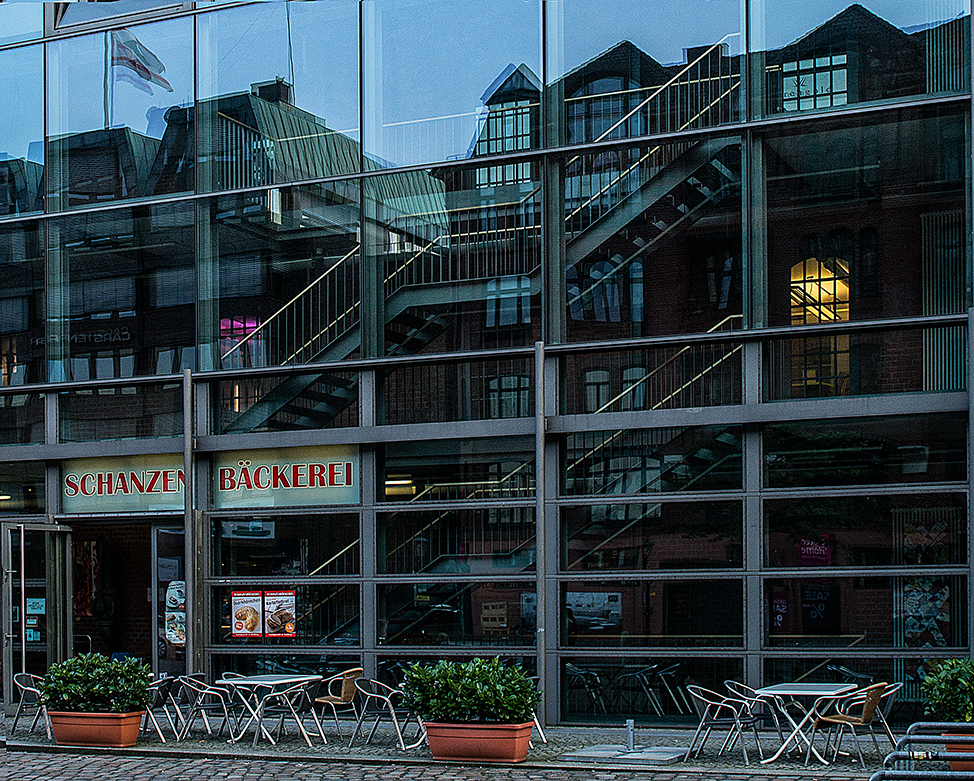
[495,743]
[111,730]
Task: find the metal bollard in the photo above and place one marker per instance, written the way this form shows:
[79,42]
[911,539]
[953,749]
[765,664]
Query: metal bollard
[630,735]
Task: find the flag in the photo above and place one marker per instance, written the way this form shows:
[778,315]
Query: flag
[128,52]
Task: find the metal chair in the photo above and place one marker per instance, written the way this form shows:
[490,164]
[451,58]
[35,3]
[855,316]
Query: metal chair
[205,700]
[380,700]
[837,716]
[764,707]
[719,712]
[886,706]
[534,714]
[344,697]
[161,690]
[295,701]
[30,697]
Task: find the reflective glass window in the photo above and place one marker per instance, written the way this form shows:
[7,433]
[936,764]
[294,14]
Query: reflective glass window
[931,448]
[670,535]
[21,419]
[79,13]
[831,53]
[21,304]
[319,614]
[311,401]
[282,270]
[457,613]
[636,461]
[459,252]
[21,21]
[669,613]
[910,611]
[120,114]
[290,113]
[22,488]
[857,531]
[458,470]
[865,219]
[21,130]
[424,103]
[653,239]
[133,412]
[280,661]
[477,542]
[619,69]
[600,687]
[286,545]
[124,301]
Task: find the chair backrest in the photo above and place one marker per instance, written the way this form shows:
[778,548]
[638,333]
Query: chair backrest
[349,677]
[27,683]
[871,697]
[889,695]
[738,689]
[160,688]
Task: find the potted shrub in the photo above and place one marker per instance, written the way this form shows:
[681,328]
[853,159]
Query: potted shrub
[479,710]
[948,689]
[96,702]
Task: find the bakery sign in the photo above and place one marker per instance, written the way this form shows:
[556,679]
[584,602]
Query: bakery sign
[297,477]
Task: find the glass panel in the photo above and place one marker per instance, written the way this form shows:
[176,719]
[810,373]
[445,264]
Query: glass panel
[636,461]
[461,470]
[924,449]
[907,708]
[170,591]
[21,305]
[672,535]
[29,631]
[290,113]
[647,688]
[459,254]
[423,104]
[291,545]
[442,542]
[623,72]
[475,390]
[665,613]
[79,13]
[122,301]
[457,614]
[865,219]
[857,531]
[654,378]
[914,361]
[22,488]
[322,615]
[326,665]
[282,270]
[292,403]
[653,240]
[838,54]
[120,107]
[21,131]
[132,412]
[21,419]
[20,22]
[912,611]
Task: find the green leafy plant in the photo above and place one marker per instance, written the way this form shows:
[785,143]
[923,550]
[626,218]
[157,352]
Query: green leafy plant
[949,690]
[475,691]
[90,683]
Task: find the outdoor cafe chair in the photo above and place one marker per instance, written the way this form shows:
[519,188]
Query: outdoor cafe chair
[885,707]
[764,707]
[296,702]
[340,693]
[840,713]
[161,691]
[205,701]
[380,700]
[30,699]
[719,712]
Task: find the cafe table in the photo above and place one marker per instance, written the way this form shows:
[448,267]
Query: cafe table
[796,692]
[254,691]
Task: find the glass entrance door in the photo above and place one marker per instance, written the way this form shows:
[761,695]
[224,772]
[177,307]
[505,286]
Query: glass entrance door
[34,600]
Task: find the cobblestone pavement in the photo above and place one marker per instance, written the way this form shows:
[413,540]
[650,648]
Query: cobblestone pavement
[33,756]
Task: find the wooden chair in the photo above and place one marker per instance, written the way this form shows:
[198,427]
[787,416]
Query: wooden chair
[340,696]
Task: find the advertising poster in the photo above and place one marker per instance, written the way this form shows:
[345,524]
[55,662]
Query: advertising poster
[176,612]
[279,614]
[246,613]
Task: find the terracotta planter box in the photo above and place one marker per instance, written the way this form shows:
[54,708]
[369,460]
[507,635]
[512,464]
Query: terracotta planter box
[113,730]
[479,742]
[961,765]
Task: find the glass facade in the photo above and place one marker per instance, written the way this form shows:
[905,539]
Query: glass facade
[632,347]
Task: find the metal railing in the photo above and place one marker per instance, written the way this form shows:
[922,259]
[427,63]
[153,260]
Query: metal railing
[912,748]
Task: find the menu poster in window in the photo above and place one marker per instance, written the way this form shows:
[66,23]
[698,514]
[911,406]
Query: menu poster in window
[279,614]
[246,609]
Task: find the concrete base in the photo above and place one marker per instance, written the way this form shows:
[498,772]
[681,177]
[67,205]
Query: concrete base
[642,755]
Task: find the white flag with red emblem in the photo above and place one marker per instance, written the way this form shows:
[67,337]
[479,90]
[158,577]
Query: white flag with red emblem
[129,53]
